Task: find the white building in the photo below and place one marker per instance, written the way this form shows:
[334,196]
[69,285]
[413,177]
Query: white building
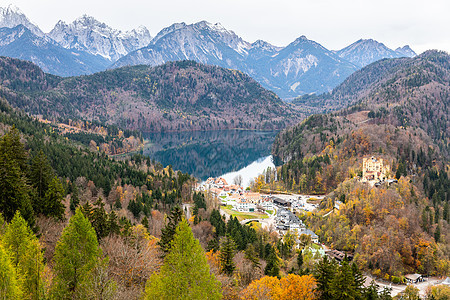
[244,206]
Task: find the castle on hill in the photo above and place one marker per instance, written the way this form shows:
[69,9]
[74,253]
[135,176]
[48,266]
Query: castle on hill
[374,170]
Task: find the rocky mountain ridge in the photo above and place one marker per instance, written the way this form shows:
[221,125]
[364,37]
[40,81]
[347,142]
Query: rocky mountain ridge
[302,67]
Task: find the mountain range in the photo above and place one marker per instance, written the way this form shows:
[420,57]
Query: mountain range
[302,67]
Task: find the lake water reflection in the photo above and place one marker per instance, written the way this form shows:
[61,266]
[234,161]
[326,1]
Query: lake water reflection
[212,153]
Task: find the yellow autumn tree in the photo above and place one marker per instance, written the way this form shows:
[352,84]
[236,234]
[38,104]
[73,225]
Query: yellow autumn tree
[287,288]
[265,288]
[297,287]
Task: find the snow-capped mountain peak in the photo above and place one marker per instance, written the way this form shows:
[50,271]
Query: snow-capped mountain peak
[367,51]
[264,45]
[406,51]
[88,34]
[215,27]
[86,20]
[204,35]
[11,16]
[12,9]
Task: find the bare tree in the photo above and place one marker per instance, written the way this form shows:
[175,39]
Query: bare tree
[238,180]
[133,259]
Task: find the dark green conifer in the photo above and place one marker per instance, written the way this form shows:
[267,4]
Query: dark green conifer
[272,268]
[324,274]
[168,231]
[300,260]
[52,205]
[342,285]
[227,250]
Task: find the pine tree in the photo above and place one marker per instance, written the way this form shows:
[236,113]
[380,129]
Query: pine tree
[76,256]
[185,273]
[252,256]
[217,221]
[272,268]
[12,147]
[446,212]
[9,285]
[144,222]
[342,285]
[113,223]
[98,217]
[14,195]
[370,293]
[437,234]
[26,256]
[300,260]
[41,173]
[324,274]
[168,231]
[74,198]
[358,281]
[52,205]
[227,250]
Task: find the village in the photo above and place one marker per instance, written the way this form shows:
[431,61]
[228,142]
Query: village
[273,212]
[278,212]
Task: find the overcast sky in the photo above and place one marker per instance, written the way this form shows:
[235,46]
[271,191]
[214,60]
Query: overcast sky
[333,23]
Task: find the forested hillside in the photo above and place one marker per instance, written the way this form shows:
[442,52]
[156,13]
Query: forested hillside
[177,96]
[402,118]
[411,82]
[75,224]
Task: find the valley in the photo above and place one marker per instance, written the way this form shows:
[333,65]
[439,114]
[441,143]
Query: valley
[194,164]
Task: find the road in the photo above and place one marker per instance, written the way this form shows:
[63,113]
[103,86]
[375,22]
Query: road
[398,288]
[187,210]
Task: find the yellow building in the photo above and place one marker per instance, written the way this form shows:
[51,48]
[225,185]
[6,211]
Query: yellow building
[374,170]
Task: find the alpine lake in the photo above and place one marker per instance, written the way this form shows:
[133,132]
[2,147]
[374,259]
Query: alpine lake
[204,154]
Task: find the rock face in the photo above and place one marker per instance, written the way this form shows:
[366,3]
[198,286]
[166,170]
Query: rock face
[88,34]
[203,42]
[302,67]
[364,52]
[83,47]
[20,42]
[11,16]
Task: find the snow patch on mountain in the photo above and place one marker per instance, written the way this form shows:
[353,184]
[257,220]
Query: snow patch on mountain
[90,35]
[11,16]
[406,51]
[366,51]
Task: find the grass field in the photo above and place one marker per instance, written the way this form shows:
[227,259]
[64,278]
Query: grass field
[243,215]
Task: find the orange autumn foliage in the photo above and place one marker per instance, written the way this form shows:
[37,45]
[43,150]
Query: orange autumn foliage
[213,260]
[297,287]
[287,288]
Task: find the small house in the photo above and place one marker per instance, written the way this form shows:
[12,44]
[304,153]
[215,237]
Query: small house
[281,202]
[413,278]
